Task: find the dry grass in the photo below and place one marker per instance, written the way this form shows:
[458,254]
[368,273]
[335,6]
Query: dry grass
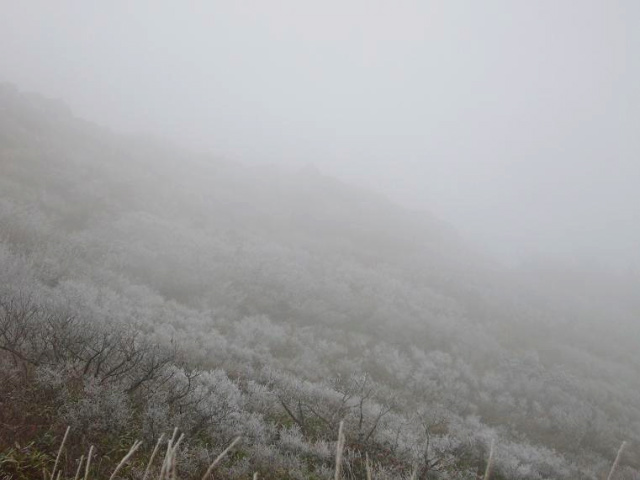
[219,458]
[489,469]
[64,440]
[339,451]
[126,458]
[168,469]
[614,467]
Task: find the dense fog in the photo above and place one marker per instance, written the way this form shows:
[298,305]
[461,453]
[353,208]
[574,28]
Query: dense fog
[342,240]
[515,121]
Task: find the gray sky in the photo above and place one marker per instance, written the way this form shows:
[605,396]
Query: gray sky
[515,120]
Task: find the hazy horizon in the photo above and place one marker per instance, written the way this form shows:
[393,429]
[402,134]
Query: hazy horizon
[513,121]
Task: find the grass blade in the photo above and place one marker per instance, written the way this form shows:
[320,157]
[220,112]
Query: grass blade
[614,467]
[64,439]
[220,457]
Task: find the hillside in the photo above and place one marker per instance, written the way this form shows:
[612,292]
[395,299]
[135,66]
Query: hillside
[144,287]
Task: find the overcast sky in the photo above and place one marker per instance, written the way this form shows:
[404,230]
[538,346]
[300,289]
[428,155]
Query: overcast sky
[515,120]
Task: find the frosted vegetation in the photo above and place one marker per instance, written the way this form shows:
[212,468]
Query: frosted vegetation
[144,288]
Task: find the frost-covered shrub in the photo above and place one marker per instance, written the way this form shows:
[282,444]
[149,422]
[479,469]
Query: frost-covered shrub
[292,440]
[96,408]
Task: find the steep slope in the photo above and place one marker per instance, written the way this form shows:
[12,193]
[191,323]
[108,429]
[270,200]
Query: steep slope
[302,301]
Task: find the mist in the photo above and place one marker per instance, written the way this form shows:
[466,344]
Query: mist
[514,121]
[320,240]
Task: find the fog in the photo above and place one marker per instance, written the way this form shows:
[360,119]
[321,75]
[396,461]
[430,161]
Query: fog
[380,240]
[516,121]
